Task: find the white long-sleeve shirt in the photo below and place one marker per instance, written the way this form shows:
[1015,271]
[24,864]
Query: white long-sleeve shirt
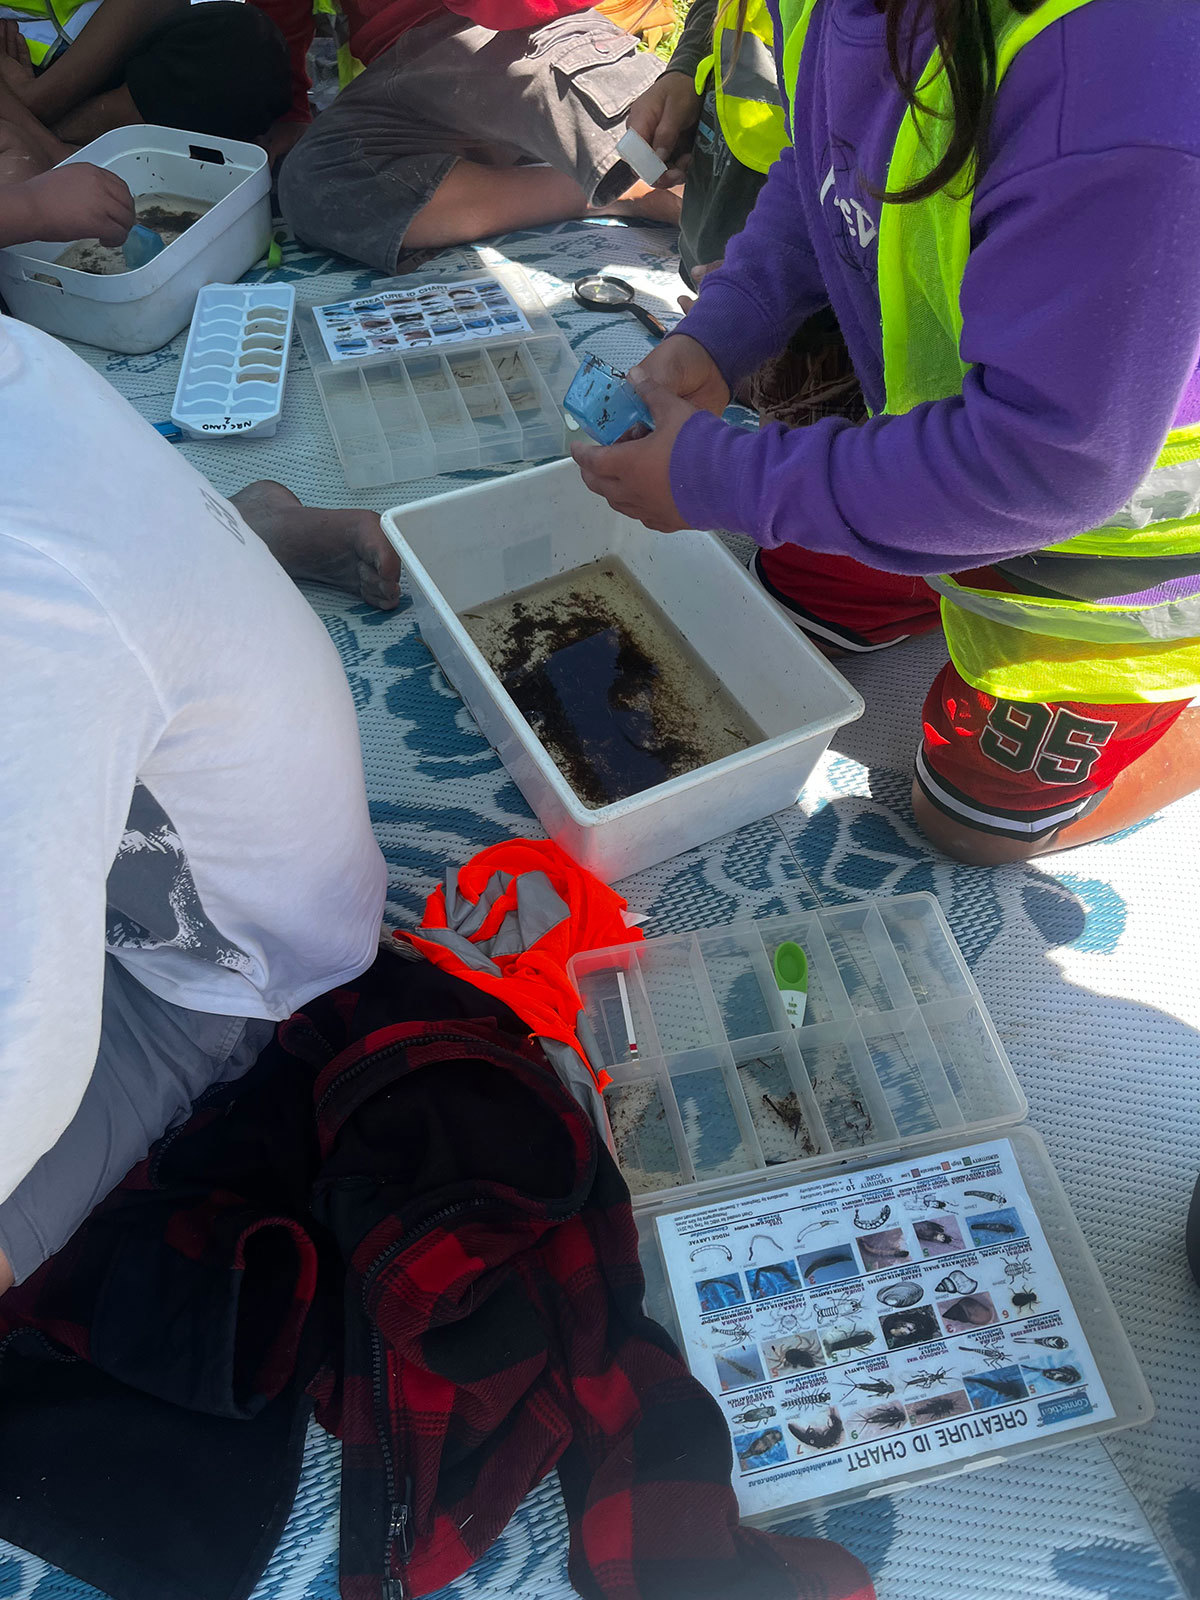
[180,772]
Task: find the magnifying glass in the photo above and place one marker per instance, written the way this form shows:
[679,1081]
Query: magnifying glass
[600,293]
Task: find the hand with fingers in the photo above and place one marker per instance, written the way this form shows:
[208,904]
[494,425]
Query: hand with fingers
[634,476]
[77,201]
[666,115]
[684,367]
[699,273]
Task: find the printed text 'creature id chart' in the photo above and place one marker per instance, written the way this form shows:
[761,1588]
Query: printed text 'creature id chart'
[865,1326]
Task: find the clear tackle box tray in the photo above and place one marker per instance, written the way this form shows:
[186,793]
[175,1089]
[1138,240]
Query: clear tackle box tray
[896,1045]
[412,388]
[723,1116]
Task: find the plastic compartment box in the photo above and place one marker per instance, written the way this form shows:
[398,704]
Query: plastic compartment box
[897,1057]
[896,1043]
[476,403]
[235,363]
[462,549]
[141,310]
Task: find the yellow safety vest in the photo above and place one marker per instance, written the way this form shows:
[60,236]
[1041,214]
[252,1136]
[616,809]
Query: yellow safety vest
[46,24]
[745,86]
[1016,646]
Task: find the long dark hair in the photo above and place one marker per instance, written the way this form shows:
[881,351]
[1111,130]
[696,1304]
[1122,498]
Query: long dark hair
[966,39]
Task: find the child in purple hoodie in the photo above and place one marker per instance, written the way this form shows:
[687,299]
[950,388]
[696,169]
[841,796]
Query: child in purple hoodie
[1079,159]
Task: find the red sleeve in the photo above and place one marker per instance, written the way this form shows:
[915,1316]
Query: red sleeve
[294,19]
[502,15]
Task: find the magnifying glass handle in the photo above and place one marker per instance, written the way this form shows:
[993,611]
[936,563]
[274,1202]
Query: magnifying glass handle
[648,321]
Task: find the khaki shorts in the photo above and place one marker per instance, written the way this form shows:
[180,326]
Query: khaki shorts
[556,95]
[154,1061]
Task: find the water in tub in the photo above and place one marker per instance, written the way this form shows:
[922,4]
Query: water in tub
[610,686]
[167,214]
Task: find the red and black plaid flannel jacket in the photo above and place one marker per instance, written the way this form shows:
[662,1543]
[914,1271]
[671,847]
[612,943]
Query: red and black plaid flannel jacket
[484,1251]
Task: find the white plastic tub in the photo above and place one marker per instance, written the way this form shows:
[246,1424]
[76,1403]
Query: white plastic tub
[138,311]
[474,545]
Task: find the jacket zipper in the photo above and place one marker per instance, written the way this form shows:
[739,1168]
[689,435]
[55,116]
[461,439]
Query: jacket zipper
[400,1508]
[401,1531]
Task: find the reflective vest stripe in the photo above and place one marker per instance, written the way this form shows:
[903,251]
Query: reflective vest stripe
[748,68]
[745,86]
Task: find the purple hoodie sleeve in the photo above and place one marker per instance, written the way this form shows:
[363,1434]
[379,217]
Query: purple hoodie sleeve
[1081,314]
[770,283]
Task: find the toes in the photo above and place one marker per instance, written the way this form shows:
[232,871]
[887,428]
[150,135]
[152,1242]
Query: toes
[377,590]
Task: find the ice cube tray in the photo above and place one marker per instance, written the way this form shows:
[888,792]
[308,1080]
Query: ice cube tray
[896,1047]
[235,361]
[473,403]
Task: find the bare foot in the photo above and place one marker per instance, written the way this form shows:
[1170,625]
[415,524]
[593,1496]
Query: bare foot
[645,204]
[347,549]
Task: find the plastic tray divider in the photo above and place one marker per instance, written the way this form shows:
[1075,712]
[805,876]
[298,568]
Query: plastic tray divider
[923,1064]
[811,1041]
[804,1093]
[656,1072]
[741,1111]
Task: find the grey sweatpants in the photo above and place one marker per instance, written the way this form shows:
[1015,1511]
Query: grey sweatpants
[449,90]
[155,1059]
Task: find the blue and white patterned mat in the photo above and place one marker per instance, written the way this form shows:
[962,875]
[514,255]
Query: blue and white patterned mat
[1086,961]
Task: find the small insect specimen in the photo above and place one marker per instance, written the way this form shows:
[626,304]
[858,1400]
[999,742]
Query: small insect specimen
[784,1322]
[703,1249]
[850,1339]
[835,1258]
[791,1114]
[936,1407]
[762,1446]
[1004,1388]
[970,1309]
[986,1194]
[879,1387]
[1053,1341]
[932,1203]
[926,1379]
[778,1249]
[734,1336]
[990,1227]
[805,1402]
[820,1438]
[993,1355]
[901,1295]
[758,1414]
[1064,1375]
[800,1357]
[844,1307]
[931,1233]
[1016,1269]
[882,1254]
[882,1419]
[1024,1300]
[869,1224]
[740,1367]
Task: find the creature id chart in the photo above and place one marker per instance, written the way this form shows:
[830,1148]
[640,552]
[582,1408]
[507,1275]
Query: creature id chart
[422,318]
[865,1326]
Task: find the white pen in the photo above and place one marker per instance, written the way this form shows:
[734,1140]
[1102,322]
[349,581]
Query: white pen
[626,1013]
